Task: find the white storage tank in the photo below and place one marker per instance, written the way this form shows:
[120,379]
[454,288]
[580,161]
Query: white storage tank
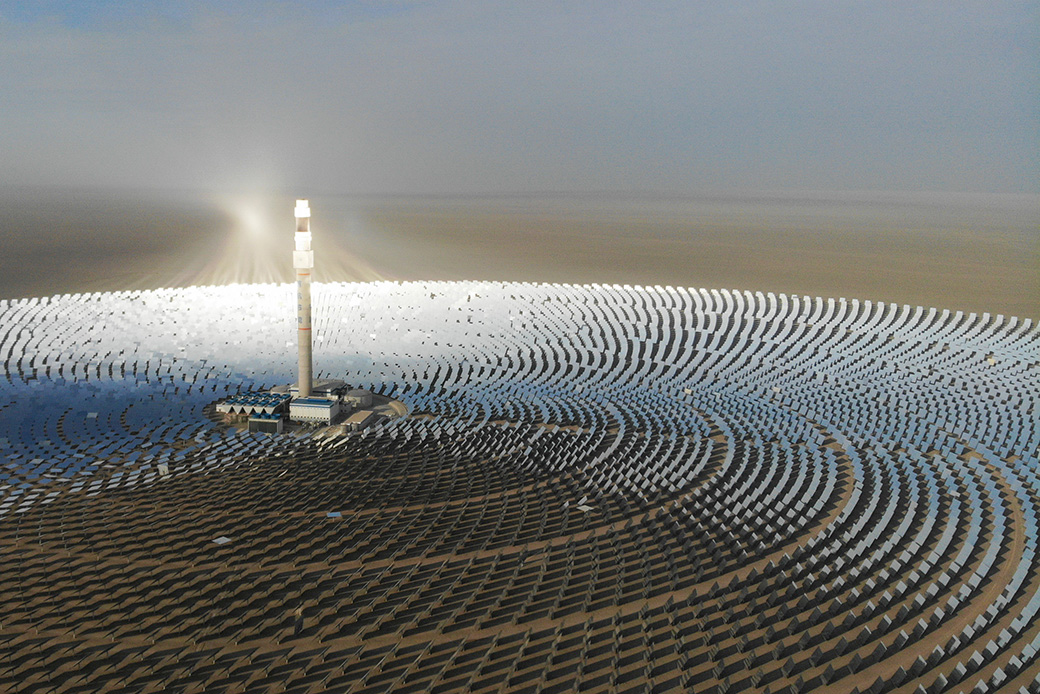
[359,397]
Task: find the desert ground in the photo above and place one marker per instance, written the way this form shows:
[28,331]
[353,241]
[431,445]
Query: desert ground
[974,253]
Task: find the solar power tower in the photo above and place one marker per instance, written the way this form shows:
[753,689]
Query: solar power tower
[303,261]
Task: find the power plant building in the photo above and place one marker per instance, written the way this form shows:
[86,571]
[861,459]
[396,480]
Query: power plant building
[314,410]
[313,402]
[359,420]
[267,423]
[308,401]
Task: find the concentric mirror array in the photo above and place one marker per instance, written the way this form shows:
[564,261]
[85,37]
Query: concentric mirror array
[597,489]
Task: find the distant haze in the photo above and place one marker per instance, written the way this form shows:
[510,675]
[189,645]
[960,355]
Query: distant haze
[403,97]
[962,252]
[879,150]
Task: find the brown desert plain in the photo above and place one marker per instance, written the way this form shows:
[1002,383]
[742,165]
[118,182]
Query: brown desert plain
[973,253]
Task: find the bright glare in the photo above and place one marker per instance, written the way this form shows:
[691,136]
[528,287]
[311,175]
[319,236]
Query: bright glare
[258,247]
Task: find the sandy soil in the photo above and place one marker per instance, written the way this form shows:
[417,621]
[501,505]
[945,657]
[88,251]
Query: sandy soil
[974,253]
[965,259]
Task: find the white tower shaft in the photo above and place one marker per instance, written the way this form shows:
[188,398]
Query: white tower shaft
[303,261]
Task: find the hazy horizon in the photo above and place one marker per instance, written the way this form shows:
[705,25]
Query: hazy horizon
[973,253]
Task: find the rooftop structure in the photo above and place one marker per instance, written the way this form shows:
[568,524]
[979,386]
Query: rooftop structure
[328,388]
[253,403]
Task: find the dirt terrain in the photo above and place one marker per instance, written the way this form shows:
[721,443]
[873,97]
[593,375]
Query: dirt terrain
[975,253]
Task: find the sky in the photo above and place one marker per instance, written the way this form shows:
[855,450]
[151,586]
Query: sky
[488,97]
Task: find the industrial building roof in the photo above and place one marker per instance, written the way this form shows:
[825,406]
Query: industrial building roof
[313,402]
[265,416]
[257,398]
[359,416]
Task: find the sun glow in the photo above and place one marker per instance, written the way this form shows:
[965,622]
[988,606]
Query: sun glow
[257,248]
